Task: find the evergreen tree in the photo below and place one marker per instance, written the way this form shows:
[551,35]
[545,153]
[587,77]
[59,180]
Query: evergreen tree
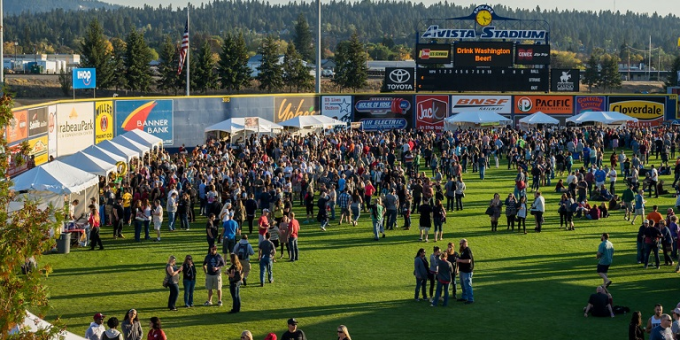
[610,77]
[137,59]
[295,74]
[206,78]
[674,77]
[351,70]
[167,68]
[95,53]
[271,73]
[232,67]
[592,74]
[118,80]
[303,38]
[65,82]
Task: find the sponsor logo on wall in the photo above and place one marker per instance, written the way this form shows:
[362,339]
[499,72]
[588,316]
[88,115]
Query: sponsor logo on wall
[590,103]
[152,116]
[497,104]
[37,121]
[399,79]
[75,127]
[431,111]
[565,80]
[648,110]
[291,107]
[52,131]
[532,54]
[103,121]
[17,127]
[545,104]
[338,107]
[39,147]
[383,112]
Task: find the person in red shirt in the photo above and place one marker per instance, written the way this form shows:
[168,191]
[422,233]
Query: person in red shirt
[94,223]
[293,229]
[369,190]
[263,224]
[155,333]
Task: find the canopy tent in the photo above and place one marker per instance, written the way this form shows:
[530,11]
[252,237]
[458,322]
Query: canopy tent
[58,179]
[539,118]
[33,323]
[89,163]
[329,122]
[306,122]
[234,125]
[106,156]
[144,138]
[475,119]
[602,117]
[132,145]
[118,150]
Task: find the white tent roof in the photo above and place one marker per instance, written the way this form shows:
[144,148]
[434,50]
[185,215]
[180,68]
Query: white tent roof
[330,122]
[132,145]
[477,117]
[144,138]
[106,156]
[55,177]
[303,122]
[118,149]
[604,117]
[33,323]
[89,163]
[234,125]
[539,118]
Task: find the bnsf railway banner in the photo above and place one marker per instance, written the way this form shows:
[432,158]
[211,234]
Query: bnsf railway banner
[382,113]
[498,104]
[649,110]
[431,111]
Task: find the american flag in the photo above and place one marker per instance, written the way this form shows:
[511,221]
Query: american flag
[184,47]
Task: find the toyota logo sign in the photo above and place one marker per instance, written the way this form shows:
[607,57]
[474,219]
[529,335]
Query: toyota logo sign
[399,79]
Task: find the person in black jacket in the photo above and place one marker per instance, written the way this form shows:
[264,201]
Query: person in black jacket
[466,264]
[189,272]
[251,207]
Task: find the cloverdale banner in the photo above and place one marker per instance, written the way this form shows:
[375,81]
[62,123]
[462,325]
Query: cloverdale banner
[648,109]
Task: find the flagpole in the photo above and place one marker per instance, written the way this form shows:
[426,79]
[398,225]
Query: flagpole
[188,55]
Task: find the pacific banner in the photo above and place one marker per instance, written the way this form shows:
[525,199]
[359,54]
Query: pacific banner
[152,116]
[383,113]
[648,109]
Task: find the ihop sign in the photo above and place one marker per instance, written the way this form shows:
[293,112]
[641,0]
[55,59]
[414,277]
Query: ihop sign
[84,78]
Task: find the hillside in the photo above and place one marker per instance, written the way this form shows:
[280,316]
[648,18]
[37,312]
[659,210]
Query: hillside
[12,7]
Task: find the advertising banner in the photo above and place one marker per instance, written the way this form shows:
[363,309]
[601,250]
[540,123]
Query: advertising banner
[532,54]
[84,78]
[103,125]
[52,131]
[252,123]
[75,127]
[13,166]
[17,128]
[590,103]
[400,78]
[383,113]
[38,149]
[546,104]
[287,107]
[37,121]
[565,80]
[433,54]
[498,104]
[649,110]
[431,112]
[478,54]
[151,116]
[338,107]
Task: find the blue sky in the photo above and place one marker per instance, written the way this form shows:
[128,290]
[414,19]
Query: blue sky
[663,7]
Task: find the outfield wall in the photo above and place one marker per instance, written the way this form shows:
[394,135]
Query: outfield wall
[64,127]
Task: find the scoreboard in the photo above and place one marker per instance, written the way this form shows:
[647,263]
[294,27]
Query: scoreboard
[473,79]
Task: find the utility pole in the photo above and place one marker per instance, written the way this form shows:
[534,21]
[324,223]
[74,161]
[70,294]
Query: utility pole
[318,47]
[2,45]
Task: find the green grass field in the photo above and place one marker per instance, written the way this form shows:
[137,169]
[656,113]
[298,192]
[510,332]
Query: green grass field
[525,286]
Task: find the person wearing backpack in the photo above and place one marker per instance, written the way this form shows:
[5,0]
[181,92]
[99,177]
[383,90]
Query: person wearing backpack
[244,251]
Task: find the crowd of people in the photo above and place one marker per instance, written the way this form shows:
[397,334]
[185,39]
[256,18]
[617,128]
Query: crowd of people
[257,181]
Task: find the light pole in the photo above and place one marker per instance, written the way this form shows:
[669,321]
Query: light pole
[16,43]
[318,47]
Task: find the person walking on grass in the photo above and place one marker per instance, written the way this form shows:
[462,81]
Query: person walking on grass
[425,221]
[189,272]
[293,230]
[377,215]
[172,273]
[244,251]
[439,217]
[132,329]
[444,277]
[628,197]
[466,265]
[639,206]
[344,200]
[420,271]
[235,273]
[605,255]
[266,253]
[157,219]
[212,266]
[537,209]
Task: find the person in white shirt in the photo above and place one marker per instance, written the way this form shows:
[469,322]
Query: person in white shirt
[157,214]
[96,329]
[654,177]
[612,180]
[537,209]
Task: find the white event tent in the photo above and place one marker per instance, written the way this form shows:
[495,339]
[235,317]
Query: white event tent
[132,145]
[539,118]
[89,163]
[33,323]
[118,150]
[144,138]
[602,117]
[54,180]
[106,156]
[317,122]
[474,119]
[234,125]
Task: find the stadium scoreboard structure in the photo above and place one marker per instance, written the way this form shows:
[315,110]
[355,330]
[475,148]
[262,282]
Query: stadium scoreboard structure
[484,57]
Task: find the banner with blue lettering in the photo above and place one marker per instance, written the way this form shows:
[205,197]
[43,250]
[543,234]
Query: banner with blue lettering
[384,112]
[84,78]
[152,116]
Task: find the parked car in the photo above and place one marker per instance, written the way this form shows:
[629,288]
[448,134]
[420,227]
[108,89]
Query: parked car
[327,73]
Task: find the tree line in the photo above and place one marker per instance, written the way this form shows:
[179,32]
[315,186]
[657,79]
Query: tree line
[125,64]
